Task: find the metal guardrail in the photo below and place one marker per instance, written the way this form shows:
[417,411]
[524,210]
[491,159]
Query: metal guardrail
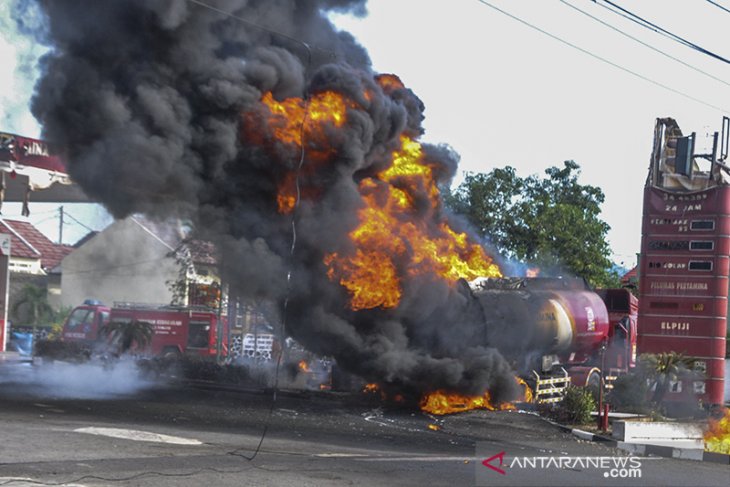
[550,389]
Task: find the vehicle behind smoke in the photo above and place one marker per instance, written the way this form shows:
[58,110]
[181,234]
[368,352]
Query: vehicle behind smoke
[177,330]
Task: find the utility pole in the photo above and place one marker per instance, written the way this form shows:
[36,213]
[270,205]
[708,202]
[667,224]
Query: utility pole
[60,225]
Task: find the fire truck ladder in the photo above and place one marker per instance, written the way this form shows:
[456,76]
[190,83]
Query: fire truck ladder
[550,389]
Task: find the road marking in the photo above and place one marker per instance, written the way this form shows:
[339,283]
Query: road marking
[28,482]
[136,435]
[419,459]
[341,455]
[378,458]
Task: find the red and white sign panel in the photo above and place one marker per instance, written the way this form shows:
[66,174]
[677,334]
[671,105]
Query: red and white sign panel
[32,158]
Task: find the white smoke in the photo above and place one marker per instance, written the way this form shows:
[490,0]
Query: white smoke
[60,380]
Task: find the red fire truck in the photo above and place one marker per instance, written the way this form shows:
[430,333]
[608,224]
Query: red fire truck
[177,330]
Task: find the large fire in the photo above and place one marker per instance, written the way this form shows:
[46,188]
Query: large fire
[296,122]
[392,242]
[717,437]
[401,231]
[441,402]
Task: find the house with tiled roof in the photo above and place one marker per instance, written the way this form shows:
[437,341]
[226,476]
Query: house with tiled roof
[31,252]
[631,278]
[135,260]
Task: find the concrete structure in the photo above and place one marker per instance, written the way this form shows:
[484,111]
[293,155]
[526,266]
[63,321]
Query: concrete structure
[685,260]
[132,260]
[676,435]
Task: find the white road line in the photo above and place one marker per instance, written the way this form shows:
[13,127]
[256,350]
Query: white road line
[136,435]
[28,482]
[341,455]
[419,459]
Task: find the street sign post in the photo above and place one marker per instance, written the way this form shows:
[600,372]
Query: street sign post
[4,287]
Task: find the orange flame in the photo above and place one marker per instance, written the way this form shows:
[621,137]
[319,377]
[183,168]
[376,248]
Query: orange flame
[303,366]
[527,395]
[295,121]
[717,437]
[392,241]
[389,82]
[401,231]
[441,402]
[370,388]
[434,427]
[295,117]
[532,272]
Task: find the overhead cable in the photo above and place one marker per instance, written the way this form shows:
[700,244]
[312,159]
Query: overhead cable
[611,63]
[617,9]
[669,56]
[719,6]
[294,216]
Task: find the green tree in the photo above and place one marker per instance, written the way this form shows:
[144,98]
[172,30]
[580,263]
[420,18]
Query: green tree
[553,222]
[32,306]
[125,335]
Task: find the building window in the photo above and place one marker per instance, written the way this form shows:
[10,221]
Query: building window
[700,265]
[198,334]
[702,245]
[702,225]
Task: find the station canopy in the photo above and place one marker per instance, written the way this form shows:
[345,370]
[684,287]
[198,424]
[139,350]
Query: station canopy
[29,171]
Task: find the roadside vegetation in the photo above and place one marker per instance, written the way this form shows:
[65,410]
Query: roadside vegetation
[552,223]
[575,408]
[644,391]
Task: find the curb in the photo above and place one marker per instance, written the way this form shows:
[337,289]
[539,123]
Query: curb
[643,449]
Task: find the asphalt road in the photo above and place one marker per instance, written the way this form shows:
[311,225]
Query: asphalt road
[113,436]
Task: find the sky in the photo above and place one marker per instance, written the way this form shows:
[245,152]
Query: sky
[502,93]
[18,71]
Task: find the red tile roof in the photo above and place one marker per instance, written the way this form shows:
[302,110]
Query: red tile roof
[632,274]
[28,242]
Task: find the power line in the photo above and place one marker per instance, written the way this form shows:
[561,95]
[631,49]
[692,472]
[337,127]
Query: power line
[300,164]
[251,23]
[66,213]
[719,6]
[644,43]
[611,63]
[660,30]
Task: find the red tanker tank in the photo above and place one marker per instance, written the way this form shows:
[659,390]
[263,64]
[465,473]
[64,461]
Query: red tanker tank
[539,320]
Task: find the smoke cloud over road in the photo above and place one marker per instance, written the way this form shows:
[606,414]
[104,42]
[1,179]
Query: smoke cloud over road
[171,109]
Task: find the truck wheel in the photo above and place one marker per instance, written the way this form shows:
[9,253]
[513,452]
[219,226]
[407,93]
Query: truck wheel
[594,380]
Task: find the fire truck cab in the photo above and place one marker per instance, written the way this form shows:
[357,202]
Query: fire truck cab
[177,330]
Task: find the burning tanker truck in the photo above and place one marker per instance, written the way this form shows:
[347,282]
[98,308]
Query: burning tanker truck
[307,170]
[569,333]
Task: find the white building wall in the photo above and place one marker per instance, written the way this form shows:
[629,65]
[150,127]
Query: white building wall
[122,263]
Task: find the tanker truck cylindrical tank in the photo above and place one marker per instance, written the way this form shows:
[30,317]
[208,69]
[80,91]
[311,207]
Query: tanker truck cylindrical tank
[522,322]
[554,321]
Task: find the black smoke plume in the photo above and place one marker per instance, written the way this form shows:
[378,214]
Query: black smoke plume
[145,99]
